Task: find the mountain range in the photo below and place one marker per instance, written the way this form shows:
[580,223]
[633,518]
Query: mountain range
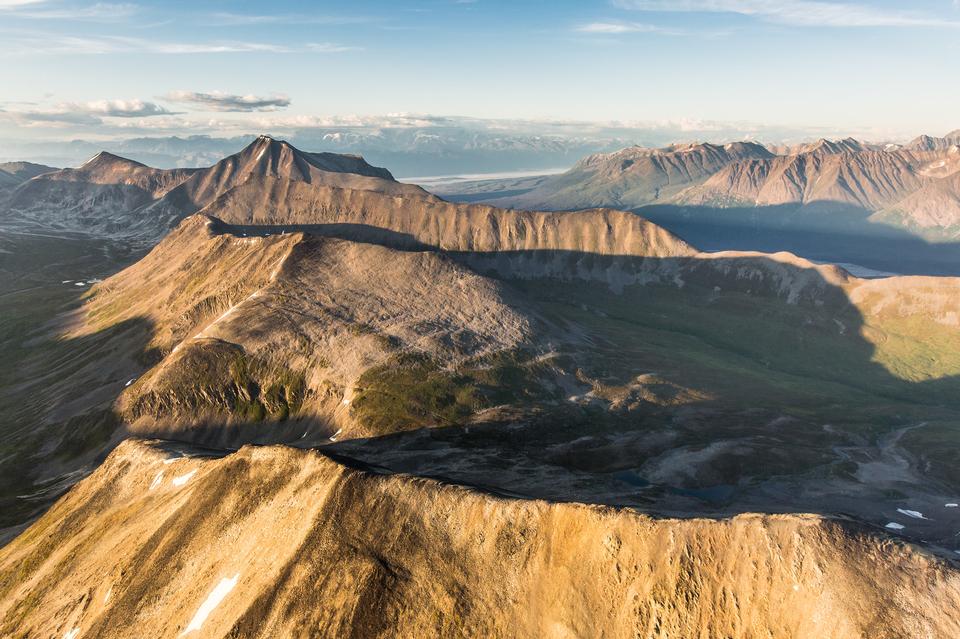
[288,395]
[110,195]
[841,186]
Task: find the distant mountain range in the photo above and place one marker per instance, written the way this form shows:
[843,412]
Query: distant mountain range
[111,196]
[418,146]
[844,186]
[409,151]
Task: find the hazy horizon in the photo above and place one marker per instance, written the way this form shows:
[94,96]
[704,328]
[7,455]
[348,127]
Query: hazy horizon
[775,70]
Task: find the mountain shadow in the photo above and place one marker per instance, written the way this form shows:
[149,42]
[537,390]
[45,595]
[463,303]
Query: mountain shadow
[825,232]
[695,386]
[732,384]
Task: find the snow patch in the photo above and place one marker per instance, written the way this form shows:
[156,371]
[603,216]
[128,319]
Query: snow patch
[71,634]
[951,505]
[911,513]
[182,479]
[106,597]
[213,600]
[333,437]
[130,382]
[894,526]
[157,480]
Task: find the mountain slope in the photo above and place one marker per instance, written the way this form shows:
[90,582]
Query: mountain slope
[825,186]
[632,177]
[303,315]
[100,197]
[865,180]
[829,147]
[433,222]
[15,173]
[929,143]
[111,196]
[934,207]
[160,544]
[535,359]
[25,170]
[266,157]
[8,180]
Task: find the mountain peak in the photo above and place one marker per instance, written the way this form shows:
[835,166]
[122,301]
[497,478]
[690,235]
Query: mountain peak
[267,155]
[105,159]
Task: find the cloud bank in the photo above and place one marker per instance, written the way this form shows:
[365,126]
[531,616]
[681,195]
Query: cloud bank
[219,101]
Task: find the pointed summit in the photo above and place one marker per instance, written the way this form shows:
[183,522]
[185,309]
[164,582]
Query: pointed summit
[104,160]
[269,157]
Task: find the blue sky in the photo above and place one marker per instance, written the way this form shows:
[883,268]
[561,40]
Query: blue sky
[113,69]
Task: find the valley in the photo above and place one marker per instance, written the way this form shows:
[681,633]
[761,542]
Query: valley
[886,207]
[331,366]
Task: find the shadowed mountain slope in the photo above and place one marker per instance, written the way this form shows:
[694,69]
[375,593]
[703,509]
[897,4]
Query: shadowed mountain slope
[25,170]
[933,207]
[15,173]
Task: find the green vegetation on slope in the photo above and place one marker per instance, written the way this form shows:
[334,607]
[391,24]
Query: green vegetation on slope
[411,390]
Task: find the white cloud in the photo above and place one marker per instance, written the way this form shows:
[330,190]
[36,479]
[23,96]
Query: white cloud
[329,47]
[219,101]
[120,108]
[98,12]
[85,114]
[807,13]
[243,19]
[14,4]
[51,119]
[617,27]
[20,43]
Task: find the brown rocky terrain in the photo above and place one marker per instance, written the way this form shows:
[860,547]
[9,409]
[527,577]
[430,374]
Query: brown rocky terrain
[632,177]
[282,542]
[110,196]
[844,186]
[866,180]
[526,423]
[930,143]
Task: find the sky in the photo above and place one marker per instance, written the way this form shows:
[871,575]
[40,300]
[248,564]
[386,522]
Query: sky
[79,69]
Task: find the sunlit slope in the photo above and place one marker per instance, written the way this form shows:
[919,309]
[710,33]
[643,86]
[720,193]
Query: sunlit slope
[411,222]
[265,328]
[254,327]
[280,542]
[114,197]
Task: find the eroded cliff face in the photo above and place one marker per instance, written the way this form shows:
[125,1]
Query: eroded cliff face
[371,216]
[282,542]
